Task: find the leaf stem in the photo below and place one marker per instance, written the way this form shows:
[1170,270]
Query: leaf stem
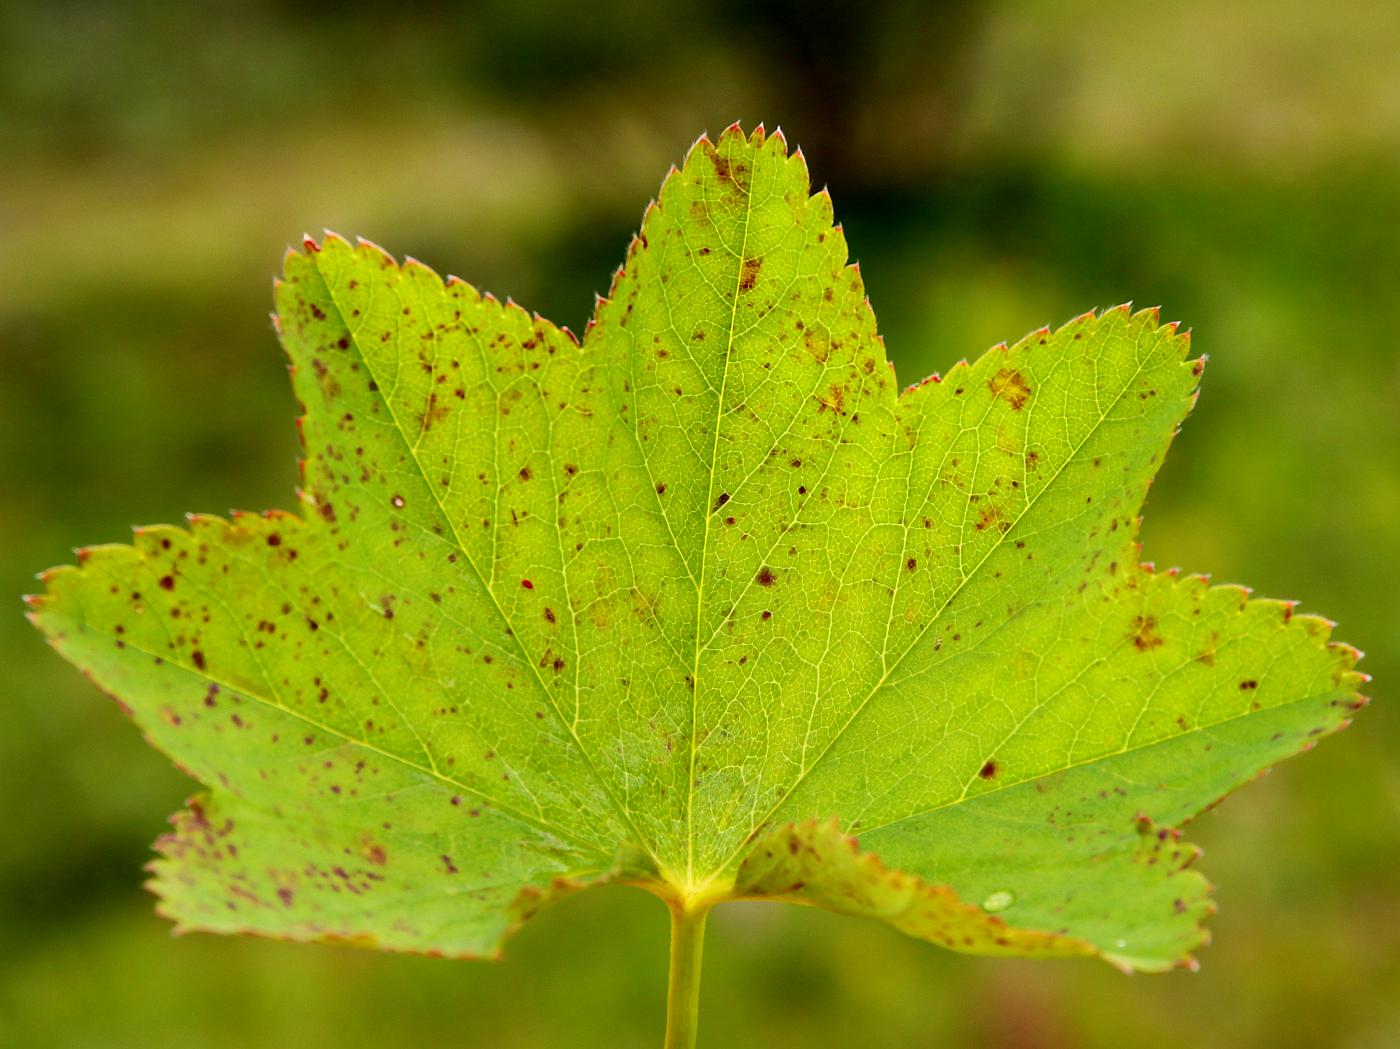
[683,993]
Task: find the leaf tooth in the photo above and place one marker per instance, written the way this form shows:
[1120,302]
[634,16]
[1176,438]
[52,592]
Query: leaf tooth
[1351,652]
[515,310]
[364,247]
[602,300]
[1240,590]
[1318,628]
[415,268]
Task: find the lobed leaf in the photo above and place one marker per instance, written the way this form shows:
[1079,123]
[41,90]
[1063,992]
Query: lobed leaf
[667,606]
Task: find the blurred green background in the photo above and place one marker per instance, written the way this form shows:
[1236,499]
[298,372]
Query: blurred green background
[997,166]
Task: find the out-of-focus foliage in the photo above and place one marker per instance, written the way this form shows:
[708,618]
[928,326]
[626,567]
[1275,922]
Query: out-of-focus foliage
[1012,162]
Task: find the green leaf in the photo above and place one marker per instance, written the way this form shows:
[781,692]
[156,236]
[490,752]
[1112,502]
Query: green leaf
[670,607]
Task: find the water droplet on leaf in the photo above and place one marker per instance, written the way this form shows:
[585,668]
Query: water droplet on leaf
[998,901]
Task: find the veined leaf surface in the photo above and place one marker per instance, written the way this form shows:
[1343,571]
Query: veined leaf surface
[692,603]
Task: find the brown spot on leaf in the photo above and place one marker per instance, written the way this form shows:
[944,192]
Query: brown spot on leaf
[818,344]
[1011,386]
[835,400]
[989,516]
[748,274]
[730,174]
[1145,635]
[433,414]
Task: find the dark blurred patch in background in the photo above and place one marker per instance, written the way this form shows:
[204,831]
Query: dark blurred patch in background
[997,165]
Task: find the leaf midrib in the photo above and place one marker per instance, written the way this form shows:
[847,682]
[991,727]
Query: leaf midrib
[461,546]
[708,509]
[424,770]
[937,616]
[1109,756]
